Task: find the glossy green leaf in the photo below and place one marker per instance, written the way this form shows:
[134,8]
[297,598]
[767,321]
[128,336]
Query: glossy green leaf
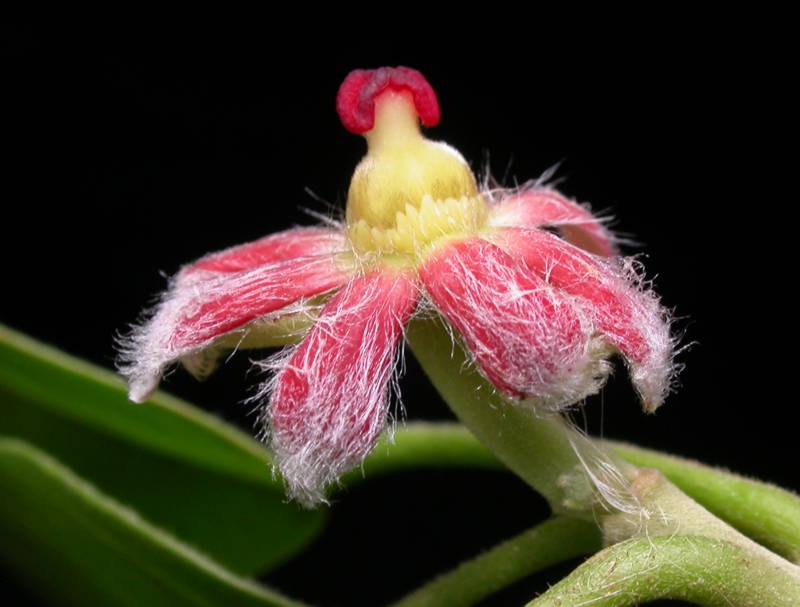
[182,469]
[70,544]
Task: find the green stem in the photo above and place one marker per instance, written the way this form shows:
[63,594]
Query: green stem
[432,445]
[538,447]
[702,570]
[547,544]
[665,514]
[555,460]
[664,510]
[766,513]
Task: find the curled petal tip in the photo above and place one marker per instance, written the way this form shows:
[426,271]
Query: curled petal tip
[140,390]
[650,407]
[652,382]
[629,317]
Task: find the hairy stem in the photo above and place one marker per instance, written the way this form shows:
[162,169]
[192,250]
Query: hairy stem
[664,510]
[707,571]
[768,514]
[547,544]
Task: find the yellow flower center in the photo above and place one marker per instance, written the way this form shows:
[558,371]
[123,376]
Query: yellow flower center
[408,193]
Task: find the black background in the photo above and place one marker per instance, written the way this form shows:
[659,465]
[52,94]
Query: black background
[127,155]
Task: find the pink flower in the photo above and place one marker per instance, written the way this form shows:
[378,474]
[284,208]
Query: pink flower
[529,280]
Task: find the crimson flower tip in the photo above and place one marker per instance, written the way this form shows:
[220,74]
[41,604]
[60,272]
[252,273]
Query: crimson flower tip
[355,102]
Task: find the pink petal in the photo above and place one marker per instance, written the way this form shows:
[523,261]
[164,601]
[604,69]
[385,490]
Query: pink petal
[289,244]
[540,207]
[329,400]
[630,317]
[196,311]
[528,340]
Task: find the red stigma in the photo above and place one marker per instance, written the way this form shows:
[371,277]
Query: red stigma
[355,101]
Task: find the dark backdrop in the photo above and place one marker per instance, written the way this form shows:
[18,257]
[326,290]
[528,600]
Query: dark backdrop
[128,155]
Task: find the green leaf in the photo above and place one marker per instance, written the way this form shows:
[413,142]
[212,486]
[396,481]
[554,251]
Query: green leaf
[73,545]
[182,469]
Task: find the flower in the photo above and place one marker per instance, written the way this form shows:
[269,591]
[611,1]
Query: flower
[529,280]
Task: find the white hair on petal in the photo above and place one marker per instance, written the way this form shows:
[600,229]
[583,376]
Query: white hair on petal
[537,343]
[655,377]
[566,212]
[329,397]
[278,329]
[185,321]
[493,188]
[496,191]
[333,218]
[614,294]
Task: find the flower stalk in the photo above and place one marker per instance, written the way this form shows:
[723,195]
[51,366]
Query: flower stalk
[539,447]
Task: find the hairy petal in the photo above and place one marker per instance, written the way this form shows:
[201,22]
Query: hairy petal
[282,246]
[629,316]
[288,326]
[194,314]
[275,248]
[329,399]
[538,206]
[526,338]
